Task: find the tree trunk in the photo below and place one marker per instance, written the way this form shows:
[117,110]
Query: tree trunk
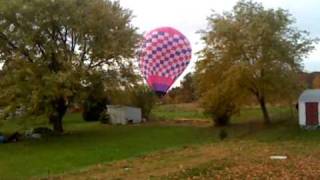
[56,123]
[264,110]
[221,121]
[59,107]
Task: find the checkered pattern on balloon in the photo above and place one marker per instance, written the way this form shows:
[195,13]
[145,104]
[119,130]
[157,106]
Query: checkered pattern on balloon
[164,55]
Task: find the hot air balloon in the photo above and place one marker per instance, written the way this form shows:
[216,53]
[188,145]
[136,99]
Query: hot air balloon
[164,55]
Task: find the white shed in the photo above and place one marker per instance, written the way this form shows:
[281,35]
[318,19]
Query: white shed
[309,108]
[124,114]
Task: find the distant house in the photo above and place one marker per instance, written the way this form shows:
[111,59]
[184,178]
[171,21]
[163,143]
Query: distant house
[124,114]
[309,108]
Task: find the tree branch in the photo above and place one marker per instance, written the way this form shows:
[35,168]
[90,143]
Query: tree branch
[73,41]
[13,46]
[100,62]
[85,50]
[41,49]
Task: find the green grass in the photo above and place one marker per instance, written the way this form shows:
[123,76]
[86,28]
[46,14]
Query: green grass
[91,143]
[178,111]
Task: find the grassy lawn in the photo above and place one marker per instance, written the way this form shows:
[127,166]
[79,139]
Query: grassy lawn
[245,154]
[88,144]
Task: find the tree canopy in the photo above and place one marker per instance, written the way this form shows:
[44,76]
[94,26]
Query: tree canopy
[251,51]
[316,82]
[51,49]
[185,93]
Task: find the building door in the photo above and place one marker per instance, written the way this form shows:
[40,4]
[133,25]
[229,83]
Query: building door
[312,113]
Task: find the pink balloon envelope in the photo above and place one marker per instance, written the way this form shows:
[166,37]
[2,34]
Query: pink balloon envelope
[164,55]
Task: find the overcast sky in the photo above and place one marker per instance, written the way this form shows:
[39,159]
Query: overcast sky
[189,16]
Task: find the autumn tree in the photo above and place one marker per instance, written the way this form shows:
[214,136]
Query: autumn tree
[50,50]
[258,47]
[220,92]
[316,82]
[185,93]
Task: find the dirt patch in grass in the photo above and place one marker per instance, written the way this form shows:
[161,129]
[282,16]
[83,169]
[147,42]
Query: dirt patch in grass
[225,160]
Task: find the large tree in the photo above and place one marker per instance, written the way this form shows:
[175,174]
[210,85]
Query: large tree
[50,50]
[258,50]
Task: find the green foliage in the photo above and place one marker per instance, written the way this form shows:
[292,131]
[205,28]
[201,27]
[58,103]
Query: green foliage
[49,50]
[144,98]
[257,47]
[94,108]
[96,99]
[107,88]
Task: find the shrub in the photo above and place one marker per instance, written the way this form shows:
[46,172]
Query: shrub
[94,108]
[143,98]
[221,113]
[220,104]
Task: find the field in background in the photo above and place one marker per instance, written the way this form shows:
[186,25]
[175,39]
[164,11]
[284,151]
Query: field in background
[191,111]
[87,144]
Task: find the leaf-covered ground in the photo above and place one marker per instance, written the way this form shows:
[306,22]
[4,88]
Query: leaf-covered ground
[253,162]
[244,159]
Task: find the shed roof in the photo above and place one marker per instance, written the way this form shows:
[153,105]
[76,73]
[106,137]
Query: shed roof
[310,95]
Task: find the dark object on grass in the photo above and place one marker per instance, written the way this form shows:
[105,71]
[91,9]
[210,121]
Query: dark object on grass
[2,139]
[14,137]
[105,118]
[42,131]
[223,134]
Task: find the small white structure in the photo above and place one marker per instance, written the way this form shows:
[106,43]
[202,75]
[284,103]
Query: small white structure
[124,114]
[309,108]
